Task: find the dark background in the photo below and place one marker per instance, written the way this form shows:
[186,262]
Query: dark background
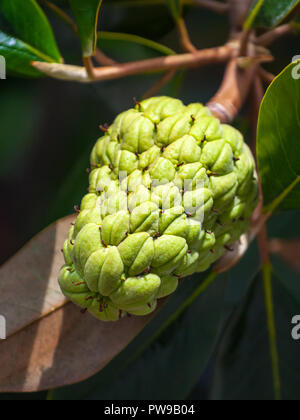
[48,127]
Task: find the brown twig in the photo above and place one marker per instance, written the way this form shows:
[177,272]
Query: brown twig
[237,81]
[89,66]
[160,84]
[266,76]
[270,37]
[238,10]
[213,5]
[61,15]
[173,62]
[103,59]
[228,101]
[244,42]
[184,37]
[256,97]
[263,244]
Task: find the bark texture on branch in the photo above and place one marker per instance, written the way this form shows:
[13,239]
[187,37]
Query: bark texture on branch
[172,62]
[271,36]
[238,10]
[185,40]
[228,101]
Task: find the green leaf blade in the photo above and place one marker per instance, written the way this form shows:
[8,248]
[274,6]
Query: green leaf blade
[257,356]
[19,55]
[86,15]
[268,292]
[31,25]
[255,10]
[278,147]
[269,13]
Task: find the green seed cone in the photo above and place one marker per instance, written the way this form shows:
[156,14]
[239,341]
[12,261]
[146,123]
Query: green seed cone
[170,189]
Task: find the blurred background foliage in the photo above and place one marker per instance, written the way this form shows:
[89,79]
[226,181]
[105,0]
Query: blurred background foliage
[48,128]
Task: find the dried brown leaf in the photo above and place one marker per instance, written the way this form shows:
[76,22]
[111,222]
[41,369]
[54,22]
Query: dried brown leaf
[50,343]
[28,281]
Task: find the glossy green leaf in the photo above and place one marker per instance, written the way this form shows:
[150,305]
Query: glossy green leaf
[86,14]
[258,358]
[18,56]
[269,13]
[31,25]
[182,334]
[175,7]
[278,146]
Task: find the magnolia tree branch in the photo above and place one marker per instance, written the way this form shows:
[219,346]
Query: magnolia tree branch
[61,15]
[185,40]
[270,37]
[239,76]
[244,42]
[256,96]
[238,11]
[90,69]
[173,62]
[103,59]
[266,76]
[263,245]
[228,101]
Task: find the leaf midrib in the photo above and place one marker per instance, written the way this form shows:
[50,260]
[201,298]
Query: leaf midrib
[268,289]
[276,203]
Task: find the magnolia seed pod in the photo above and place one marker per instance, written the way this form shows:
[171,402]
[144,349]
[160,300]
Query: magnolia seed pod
[170,190]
